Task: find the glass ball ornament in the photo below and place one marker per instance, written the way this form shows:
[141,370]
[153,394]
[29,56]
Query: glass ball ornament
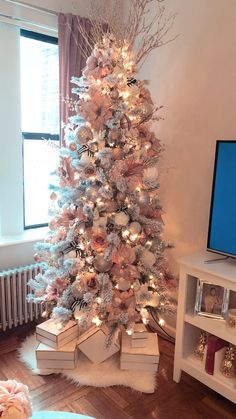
[83,135]
[101,264]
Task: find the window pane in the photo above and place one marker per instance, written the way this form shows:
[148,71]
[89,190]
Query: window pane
[40,159]
[39,86]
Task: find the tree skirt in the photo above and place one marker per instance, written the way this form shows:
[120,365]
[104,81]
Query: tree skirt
[86,373]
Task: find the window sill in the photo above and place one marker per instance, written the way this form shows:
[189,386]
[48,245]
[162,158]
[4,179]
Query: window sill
[26,237]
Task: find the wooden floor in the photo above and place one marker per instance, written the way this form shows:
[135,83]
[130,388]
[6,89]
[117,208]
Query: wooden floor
[187,400]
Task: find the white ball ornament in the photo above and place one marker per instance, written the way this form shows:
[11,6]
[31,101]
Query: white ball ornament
[148,258]
[121,219]
[135,228]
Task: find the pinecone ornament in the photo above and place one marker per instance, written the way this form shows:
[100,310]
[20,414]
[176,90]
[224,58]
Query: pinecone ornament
[200,348]
[227,367]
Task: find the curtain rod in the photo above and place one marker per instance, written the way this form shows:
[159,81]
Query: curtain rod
[29,6]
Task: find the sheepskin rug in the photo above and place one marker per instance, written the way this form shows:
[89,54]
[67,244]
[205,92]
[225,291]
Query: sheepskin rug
[86,373]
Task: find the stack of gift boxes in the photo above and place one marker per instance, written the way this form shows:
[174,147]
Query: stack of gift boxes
[58,348]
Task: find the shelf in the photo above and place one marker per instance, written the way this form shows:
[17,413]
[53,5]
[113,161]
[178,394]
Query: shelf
[219,383]
[214,326]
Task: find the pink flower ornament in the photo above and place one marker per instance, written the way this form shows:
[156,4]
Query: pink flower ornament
[14,400]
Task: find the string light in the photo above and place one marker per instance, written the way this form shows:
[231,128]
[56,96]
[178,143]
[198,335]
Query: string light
[129,332]
[96,321]
[133,237]
[125,233]
[161,322]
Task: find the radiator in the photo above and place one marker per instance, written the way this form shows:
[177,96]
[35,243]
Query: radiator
[14,308]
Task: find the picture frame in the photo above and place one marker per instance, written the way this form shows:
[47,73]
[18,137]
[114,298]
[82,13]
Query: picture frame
[212,300]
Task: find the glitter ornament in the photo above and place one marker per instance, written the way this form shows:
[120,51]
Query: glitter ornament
[143,198]
[83,135]
[102,265]
[117,153]
[121,219]
[135,228]
[148,258]
[73,146]
[76,289]
[92,193]
[114,94]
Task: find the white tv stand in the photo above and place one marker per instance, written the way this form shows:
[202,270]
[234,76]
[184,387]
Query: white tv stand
[189,324]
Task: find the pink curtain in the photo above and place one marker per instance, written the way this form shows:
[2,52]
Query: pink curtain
[71,60]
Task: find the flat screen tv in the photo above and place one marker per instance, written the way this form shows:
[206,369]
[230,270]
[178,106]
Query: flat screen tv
[222,221]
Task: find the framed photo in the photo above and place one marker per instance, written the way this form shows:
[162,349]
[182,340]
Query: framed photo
[211,300]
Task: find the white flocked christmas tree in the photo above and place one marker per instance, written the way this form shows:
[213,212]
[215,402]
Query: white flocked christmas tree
[104,253]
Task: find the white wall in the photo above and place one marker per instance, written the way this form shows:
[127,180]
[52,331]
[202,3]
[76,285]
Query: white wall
[195,79]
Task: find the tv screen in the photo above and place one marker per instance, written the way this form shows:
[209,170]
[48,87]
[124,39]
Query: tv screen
[222,223]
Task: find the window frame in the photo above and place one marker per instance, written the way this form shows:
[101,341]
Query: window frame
[35,135]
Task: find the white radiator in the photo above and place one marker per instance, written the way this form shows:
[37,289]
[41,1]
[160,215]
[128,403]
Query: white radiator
[14,308]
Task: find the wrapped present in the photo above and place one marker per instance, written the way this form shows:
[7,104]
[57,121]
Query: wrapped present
[63,358]
[146,359]
[49,334]
[93,344]
[140,331]
[139,336]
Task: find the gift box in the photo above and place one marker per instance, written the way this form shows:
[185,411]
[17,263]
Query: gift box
[139,336]
[140,331]
[146,359]
[93,344]
[63,358]
[49,334]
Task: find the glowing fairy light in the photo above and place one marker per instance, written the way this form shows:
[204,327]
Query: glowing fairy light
[125,234]
[161,322]
[133,237]
[129,332]
[96,321]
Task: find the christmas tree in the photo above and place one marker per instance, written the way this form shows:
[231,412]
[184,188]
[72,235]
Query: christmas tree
[104,253]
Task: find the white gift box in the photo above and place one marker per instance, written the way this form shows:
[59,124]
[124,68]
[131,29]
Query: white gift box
[93,344]
[146,358]
[142,366]
[49,334]
[63,358]
[139,343]
[140,331]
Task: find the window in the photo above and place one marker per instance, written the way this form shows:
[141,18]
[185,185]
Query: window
[39,121]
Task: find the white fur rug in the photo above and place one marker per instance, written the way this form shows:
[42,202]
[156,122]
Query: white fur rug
[86,373]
